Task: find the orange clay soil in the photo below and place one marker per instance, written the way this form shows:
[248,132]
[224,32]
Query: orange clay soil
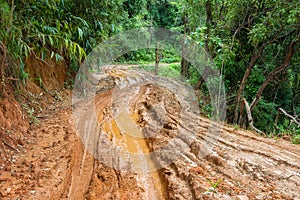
[50,161]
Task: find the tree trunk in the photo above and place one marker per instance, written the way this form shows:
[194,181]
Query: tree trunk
[184,62]
[206,72]
[250,119]
[184,68]
[242,120]
[253,60]
[199,83]
[209,22]
[296,93]
[156,58]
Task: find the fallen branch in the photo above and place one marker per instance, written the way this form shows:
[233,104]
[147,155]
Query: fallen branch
[12,79]
[38,58]
[293,119]
[10,146]
[250,119]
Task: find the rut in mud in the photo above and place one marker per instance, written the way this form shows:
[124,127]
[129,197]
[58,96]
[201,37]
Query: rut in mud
[140,130]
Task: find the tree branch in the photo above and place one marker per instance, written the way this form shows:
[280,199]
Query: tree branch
[38,58]
[272,74]
[250,119]
[293,119]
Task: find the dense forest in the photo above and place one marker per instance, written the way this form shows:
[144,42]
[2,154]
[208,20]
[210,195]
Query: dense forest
[255,44]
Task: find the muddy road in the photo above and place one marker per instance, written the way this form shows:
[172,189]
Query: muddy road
[145,142]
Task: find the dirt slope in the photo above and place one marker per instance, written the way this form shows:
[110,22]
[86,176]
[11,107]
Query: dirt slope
[53,163]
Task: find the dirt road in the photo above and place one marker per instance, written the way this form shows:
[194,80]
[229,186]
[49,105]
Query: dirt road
[196,158]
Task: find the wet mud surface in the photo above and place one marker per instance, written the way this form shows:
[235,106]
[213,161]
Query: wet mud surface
[140,140]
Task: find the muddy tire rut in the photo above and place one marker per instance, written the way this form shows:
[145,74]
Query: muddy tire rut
[238,164]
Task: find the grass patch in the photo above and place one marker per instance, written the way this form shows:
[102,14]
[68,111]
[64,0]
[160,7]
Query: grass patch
[164,70]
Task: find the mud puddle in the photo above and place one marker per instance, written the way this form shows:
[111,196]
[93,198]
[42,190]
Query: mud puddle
[124,132]
[121,124]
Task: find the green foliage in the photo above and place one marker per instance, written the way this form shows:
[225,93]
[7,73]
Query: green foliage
[214,186]
[264,115]
[296,139]
[235,127]
[138,56]
[162,13]
[287,127]
[148,56]
[255,80]
[31,113]
[169,56]
[23,75]
[231,32]
[165,70]
[31,33]
[58,29]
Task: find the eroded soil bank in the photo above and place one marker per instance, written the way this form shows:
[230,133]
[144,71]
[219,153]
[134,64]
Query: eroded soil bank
[196,158]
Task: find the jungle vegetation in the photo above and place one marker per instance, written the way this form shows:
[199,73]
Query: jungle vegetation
[254,43]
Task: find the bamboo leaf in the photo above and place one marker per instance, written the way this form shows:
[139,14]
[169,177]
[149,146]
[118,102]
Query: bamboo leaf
[52,54]
[43,39]
[80,33]
[66,43]
[58,57]
[74,48]
[50,40]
